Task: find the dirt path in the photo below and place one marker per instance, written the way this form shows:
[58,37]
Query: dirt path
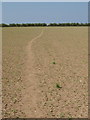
[30,93]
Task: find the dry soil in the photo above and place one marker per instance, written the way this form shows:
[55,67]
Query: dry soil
[45,72]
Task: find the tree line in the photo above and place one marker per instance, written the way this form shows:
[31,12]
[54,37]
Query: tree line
[43,24]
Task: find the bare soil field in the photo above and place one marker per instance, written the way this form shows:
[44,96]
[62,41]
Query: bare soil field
[45,72]
[0,73]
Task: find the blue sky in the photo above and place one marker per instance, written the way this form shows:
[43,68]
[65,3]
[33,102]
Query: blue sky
[46,12]
[0,12]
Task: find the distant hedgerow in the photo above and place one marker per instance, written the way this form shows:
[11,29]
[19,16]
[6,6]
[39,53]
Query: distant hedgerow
[42,24]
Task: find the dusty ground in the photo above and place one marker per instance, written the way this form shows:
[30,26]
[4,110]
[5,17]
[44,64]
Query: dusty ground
[14,43]
[0,73]
[36,61]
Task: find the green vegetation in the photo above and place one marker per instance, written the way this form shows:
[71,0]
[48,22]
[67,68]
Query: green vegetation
[58,86]
[62,115]
[54,63]
[69,118]
[69,24]
[23,24]
[43,24]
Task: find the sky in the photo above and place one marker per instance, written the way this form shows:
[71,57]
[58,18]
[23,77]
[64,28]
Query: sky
[45,0]
[0,12]
[44,12]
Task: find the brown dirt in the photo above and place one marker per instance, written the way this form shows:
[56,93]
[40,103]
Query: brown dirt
[68,48]
[14,43]
[30,97]
[0,73]
[53,55]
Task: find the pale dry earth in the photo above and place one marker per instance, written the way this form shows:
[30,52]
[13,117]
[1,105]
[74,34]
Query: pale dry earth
[14,45]
[0,73]
[35,60]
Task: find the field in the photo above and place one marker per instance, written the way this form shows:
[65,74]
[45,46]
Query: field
[45,72]
[0,73]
